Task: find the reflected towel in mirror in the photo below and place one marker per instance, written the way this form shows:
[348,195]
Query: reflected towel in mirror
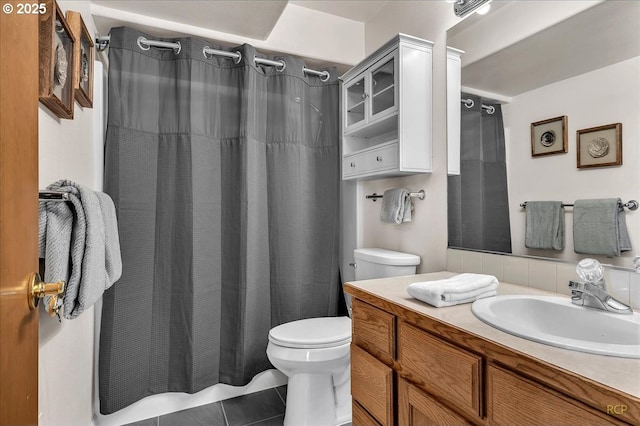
[544,226]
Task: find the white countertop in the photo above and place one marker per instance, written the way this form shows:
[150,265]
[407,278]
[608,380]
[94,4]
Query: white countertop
[619,373]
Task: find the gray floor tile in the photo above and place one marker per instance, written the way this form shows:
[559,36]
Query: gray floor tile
[254,407]
[282,391]
[205,415]
[147,422]
[273,421]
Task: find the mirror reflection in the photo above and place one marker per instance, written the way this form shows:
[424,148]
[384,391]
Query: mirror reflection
[565,68]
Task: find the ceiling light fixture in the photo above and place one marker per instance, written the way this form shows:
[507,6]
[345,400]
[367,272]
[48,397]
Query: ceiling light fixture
[464,7]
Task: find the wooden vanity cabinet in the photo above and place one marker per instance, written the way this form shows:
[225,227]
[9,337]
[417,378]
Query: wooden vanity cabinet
[409,369]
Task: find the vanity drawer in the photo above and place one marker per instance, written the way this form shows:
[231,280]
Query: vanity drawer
[512,399]
[372,385]
[416,407]
[360,417]
[444,370]
[374,330]
[371,161]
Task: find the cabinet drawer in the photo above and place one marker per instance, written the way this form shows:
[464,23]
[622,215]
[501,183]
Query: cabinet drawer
[512,399]
[371,161]
[446,371]
[372,385]
[360,417]
[416,407]
[374,330]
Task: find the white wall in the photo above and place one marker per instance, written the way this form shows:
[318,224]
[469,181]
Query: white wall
[605,96]
[426,235]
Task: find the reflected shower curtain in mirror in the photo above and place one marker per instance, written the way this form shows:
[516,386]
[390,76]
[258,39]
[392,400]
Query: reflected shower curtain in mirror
[478,204]
[225,178]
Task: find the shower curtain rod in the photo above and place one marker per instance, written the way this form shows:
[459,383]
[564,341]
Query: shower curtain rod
[103,42]
[469,103]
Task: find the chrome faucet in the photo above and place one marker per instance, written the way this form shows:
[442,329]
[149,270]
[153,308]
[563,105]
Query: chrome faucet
[592,293]
[594,296]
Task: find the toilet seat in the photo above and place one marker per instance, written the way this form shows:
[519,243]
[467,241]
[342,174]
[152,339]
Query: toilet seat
[326,332]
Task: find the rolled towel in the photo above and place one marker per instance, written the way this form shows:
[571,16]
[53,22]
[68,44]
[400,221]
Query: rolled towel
[396,206]
[463,288]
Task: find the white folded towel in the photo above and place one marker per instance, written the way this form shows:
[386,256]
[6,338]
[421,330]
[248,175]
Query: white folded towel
[463,288]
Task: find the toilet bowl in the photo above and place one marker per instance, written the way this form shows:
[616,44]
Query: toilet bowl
[314,353]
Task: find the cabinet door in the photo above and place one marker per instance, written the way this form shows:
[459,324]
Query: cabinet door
[512,399]
[355,107]
[446,371]
[372,385]
[417,408]
[383,97]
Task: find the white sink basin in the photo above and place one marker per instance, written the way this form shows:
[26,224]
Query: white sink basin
[556,321]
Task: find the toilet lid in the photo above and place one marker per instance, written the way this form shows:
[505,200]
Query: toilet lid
[325,332]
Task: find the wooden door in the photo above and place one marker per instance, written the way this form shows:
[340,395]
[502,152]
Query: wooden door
[18,215]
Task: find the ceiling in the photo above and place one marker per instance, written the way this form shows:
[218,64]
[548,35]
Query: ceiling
[245,18]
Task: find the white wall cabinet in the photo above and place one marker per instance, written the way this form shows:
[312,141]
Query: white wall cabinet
[454,73]
[386,103]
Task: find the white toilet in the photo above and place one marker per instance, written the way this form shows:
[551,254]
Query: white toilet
[314,352]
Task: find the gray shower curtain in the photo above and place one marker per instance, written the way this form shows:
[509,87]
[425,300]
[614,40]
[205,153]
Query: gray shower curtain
[478,203]
[225,179]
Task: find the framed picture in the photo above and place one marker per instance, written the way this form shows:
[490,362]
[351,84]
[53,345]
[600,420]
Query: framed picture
[82,60]
[56,43]
[600,146]
[549,136]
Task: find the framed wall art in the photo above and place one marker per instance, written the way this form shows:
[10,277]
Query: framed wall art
[600,146]
[82,60]
[549,136]
[56,43]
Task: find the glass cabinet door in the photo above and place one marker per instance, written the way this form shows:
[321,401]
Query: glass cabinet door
[355,102]
[383,87]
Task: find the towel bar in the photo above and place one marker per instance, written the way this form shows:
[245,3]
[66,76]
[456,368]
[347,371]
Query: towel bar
[419,195]
[631,205]
[53,196]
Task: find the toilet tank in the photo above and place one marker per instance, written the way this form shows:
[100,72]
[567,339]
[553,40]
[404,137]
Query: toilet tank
[381,263]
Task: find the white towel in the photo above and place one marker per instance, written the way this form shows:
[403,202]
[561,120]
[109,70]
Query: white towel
[463,288]
[396,206]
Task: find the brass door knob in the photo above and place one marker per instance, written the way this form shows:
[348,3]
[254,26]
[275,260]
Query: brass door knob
[39,289]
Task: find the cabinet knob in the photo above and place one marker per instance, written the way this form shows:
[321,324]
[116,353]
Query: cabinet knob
[379,158]
[353,164]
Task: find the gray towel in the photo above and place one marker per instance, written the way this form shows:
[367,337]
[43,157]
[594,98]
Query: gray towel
[544,227]
[599,227]
[79,242]
[396,206]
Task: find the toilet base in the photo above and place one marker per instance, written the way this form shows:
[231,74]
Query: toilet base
[311,401]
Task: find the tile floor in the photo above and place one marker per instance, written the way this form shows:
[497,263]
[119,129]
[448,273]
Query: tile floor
[264,408]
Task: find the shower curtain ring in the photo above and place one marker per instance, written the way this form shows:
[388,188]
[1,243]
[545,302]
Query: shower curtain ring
[239,58]
[469,103]
[142,40]
[283,65]
[326,75]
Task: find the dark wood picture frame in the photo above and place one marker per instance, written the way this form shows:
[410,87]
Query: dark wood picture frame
[599,146]
[549,136]
[56,44]
[82,60]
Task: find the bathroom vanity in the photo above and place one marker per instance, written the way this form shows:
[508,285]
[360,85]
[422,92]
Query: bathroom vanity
[413,364]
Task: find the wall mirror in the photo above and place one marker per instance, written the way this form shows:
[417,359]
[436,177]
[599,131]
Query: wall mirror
[536,62]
